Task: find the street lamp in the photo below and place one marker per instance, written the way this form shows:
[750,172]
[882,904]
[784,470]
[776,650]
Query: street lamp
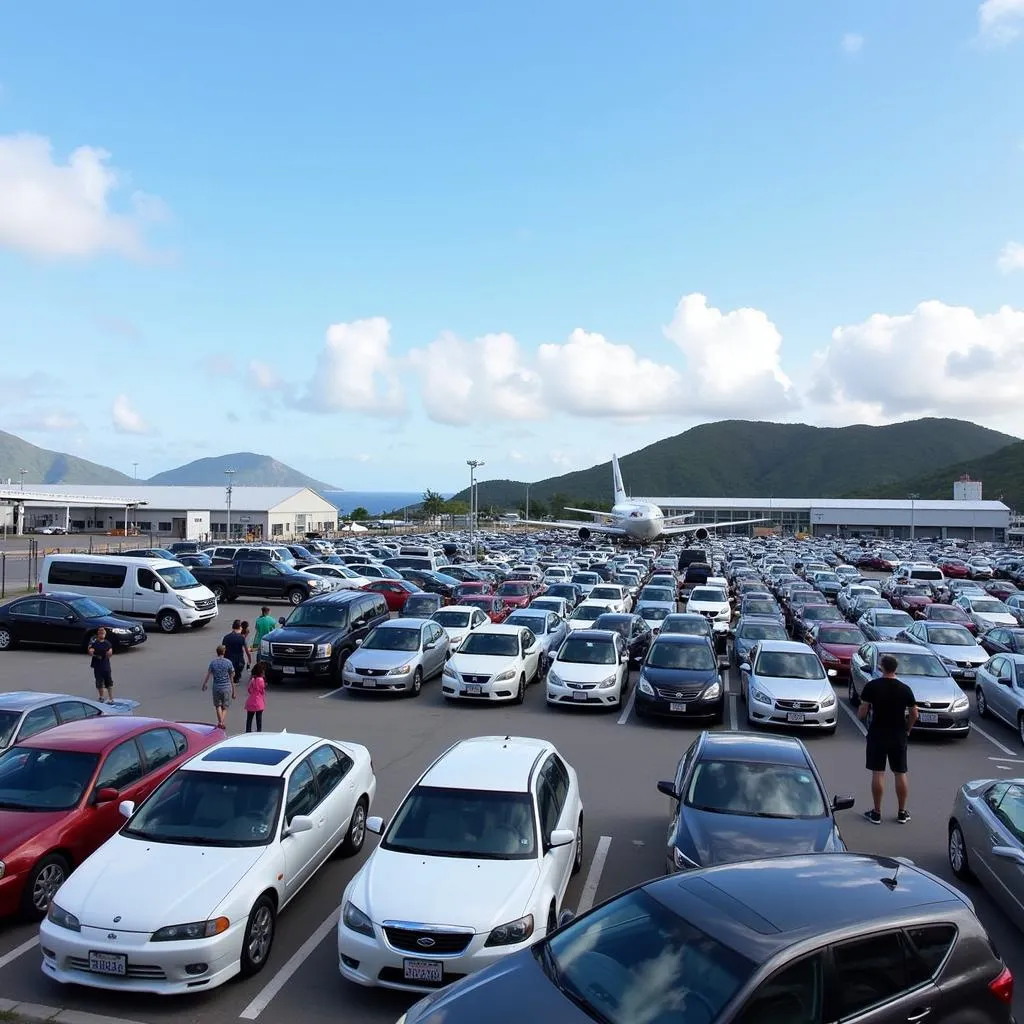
[474,465]
[23,473]
[527,501]
[135,471]
[229,473]
[913,498]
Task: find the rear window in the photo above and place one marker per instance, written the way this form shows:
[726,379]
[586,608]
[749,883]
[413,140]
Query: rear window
[87,574]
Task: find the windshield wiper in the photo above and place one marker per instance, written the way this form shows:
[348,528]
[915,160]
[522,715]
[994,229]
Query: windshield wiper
[10,805]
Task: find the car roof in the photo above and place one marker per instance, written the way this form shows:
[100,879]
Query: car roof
[789,646]
[897,647]
[260,753]
[467,608]
[763,906]
[604,635]
[499,763]
[760,748]
[405,623]
[24,700]
[337,597]
[501,629]
[679,638]
[616,617]
[94,735]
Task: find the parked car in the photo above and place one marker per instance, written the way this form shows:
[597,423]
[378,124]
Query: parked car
[495,663]
[884,623]
[492,606]
[62,619]
[999,690]
[394,592]
[784,683]
[459,620]
[633,630]
[398,656]
[269,579]
[590,669]
[422,605]
[956,647]
[835,643]
[680,679]
[26,713]
[1003,640]
[750,630]
[986,612]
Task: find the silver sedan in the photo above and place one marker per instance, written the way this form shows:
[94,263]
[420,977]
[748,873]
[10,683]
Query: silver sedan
[999,690]
[397,655]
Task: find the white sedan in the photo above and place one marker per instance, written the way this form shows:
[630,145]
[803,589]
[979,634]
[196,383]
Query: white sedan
[613,595]
[186,895]
[341,578]
[590,669]
[494,663]
[459,620]
[473,868]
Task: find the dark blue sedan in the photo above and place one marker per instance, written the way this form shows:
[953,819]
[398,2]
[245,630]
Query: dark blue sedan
[679,679]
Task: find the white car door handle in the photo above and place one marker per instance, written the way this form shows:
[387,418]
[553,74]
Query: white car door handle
[920,1016]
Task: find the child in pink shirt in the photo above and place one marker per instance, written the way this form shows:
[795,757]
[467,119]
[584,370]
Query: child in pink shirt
[256,702]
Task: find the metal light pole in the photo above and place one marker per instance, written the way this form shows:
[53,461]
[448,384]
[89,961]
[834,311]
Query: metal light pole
[527,501]
[474,465]
[913,498]
[23,473]
[229,473]
[135,471]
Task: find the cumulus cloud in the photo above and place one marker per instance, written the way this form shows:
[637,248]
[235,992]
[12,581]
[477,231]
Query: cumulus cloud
[63,210]
[936,360]
[1011,258]
[355,371]
[852,42]
[1000,21]
[126,419]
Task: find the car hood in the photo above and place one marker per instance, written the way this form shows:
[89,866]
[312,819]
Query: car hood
[917,602]
[994,619]
[679,676]
[18,827]
[707,606]
[363,658]
[112,622]
[975,654]
[789,688]
[724,838]
[842,651]
[580,623]
[888,632]
[152,885]
[480,664]
[457,891]
[933,689]
[301,634]
[574,672]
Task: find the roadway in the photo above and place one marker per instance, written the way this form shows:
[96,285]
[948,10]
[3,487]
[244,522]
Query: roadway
[619,760]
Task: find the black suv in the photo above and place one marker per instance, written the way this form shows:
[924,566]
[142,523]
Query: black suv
[320,634]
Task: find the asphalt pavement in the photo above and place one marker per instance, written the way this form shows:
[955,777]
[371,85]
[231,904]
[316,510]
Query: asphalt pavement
[619,760]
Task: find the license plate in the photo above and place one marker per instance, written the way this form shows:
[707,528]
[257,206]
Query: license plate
[795,716]
[681,708]
[928,718]
[579,695]
[430,971]
[474,690]
[369,683]
[108,963]
[288,670]
[968,673]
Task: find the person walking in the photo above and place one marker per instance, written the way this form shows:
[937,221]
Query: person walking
[249,659]
[234,645]
[893,710]
[221,672]
[265,624]
[256,702]
[100,651]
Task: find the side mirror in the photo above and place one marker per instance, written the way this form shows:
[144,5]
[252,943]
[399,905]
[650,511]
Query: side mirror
[359,641]
[300,823]
[126,808]
[281,620]
[104,795]
[375,825]
[745,667]
[429,645]
[1004,680]
[842,803]
[1009,853]
[158,587]
[69,618]
[561,837]
[565,917]
[668,788]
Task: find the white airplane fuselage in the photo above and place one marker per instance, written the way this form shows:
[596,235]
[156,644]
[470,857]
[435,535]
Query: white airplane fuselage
[639,520]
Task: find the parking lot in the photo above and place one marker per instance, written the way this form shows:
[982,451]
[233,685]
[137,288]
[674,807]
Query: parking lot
[619,760]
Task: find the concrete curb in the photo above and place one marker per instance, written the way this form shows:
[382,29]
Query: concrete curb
[56,1015]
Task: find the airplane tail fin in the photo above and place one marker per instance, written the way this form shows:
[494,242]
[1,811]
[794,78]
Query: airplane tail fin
[620,491]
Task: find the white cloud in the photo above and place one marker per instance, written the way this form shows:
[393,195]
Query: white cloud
[264,377]
[50,209]
[54,422]
[126,419]
[1011,257]
[936,360]
[1001,21]
[355,371]
[852,42]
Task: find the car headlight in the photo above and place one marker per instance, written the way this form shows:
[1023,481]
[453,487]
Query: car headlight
[829,658]
[828,700]
[120,632]
[761,697]
[60,917]
[948,661]
[713,691]
[961,703]
[512,932]
[450,672]
[186,601]
[264,648]
[645,687]
[607,684]
[323,650]
[681,861]
[355,920]
[507,674]
[401,670]
[722,614]
[192,930]
[554,678]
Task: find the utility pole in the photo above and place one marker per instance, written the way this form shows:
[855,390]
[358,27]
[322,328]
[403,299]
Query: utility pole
[527,501]
[23,473]
[135,471]
[913,498]
[229,473]
[474,465]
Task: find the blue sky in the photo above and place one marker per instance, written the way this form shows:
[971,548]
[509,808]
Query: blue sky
[377,242]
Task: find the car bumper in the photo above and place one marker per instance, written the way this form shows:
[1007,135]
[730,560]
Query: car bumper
[503,690]
[953,723]
[560,693]
[124,643]
[965,676]
[155,967]
[695,709]
[768,714]
[299,669]
[372,962]
[377,684]
[190,616]
[11,886]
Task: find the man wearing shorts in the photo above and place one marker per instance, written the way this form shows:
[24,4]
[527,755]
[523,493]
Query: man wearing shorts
[221,673]
[893,710]
[100,651]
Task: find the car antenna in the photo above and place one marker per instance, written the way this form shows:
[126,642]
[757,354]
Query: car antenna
[890,883]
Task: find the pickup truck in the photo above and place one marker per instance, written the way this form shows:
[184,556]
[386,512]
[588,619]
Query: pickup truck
[272,581]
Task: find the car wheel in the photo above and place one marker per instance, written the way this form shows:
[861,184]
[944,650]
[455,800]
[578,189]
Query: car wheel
[168,622]
[356,835]
[41,885]
[979,696]
[218,592]
[521,692]
[6,639]
[853,695]
[296,596]
[259,936]
[958,853]
[417,683]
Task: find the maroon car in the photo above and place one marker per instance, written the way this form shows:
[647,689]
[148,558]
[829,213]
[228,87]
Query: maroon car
[394,592]
[949,613]
[493,607]
[516,593]
[835,643]
[912,598]
[1001,589]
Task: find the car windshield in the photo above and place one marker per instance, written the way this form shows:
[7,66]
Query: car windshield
[989,608]
[457,620]
[840,635]
[586,578]
[178,578]
[514,590]
[392,638]
[614,623]
[951,636]
[652,612]
[899,619]
[8,723]
[476,824]
[826,577]
[588,612]
[320,615]
[760,607]
[210,809]
[658,594]
[690,625]
[491,645]
[578,651]
[547,606]
[87,608]
[634,961]
[919,665]
[789,665]
[914,592]
[420,604]
[762,790]
[694,657]
[44,780]
[606,593]
[535,622]
[817,612]
[761,631]
[710,595]
[946,613]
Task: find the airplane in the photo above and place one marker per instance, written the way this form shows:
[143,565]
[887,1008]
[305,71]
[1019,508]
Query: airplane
[638,521]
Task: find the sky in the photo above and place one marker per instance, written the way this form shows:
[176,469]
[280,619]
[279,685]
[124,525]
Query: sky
[378,240]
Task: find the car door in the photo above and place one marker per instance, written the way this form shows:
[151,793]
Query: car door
[530,647]
[26,618]
[302,850]
[795,993]
[332,769]
[439,638]
[1007,836]
[147,593]
[59,624]
[75,710]
[551,790]
[120,770]
[266,578]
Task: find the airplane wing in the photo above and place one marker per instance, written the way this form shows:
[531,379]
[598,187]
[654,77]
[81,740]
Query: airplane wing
[587,511]
[676,519]
[671,531]
[614,531]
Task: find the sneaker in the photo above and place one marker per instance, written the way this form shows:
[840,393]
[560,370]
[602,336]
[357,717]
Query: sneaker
[874,817]
[903,817]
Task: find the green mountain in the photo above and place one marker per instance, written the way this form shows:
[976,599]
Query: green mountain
[1001,474]
[45,467]
[741,458]
[251,470]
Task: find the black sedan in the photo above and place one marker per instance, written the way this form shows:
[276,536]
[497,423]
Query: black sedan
[1003,640]
[679,679]
[64,620]
[633,629]
[739,796]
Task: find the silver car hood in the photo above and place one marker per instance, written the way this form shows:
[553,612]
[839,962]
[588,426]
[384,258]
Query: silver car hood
[792,689]
[974,654]
[363,658]
[933,689]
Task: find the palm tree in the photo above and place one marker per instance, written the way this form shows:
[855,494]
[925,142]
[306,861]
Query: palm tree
[433,504]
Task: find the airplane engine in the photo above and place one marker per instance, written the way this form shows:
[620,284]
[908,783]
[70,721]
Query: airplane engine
[701,534]
[583,533]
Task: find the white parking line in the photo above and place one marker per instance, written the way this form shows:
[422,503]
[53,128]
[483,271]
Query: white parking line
[733,721]
[1015,760]
[589,894]
[853,716]
[284,975]
[995,743]
[18,951]
[324,696]
[628,710]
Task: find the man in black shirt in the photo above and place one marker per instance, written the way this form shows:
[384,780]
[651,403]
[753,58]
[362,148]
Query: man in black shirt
[236,649]
[100,651]
[893,710]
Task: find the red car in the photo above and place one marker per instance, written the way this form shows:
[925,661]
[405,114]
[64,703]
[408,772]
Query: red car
[516,593]
[911,598]
[835,643]
[949,613]
[955,569]
[396,592]
[1001,589]
[495,609]
[60,791]
[473,588]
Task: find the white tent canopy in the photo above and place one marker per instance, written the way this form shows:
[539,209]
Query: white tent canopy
[352,528]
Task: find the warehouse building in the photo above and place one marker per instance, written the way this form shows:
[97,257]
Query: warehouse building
[187,513]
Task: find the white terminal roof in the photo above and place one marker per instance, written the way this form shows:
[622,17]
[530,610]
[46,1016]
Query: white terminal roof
[213,499]
[900,504]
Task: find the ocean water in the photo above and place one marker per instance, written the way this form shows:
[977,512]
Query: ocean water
[375,502]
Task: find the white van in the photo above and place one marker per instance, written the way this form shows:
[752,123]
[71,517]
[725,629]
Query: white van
[151,589]
[919,572]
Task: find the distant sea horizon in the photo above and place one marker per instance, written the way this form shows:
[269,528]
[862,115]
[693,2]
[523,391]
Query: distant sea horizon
[375,502]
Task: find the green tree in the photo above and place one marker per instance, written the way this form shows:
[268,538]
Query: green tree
[433,504]
[454,507]
[359,514]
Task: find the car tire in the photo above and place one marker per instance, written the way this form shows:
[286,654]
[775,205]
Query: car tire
[218,592]
[521,692]
[6,639]
[296,596]
[168,622]
[417,683]
[577,861]
[41,884]
[853,696]
[259,936]
[979,696]
[356,834]
[957,851]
